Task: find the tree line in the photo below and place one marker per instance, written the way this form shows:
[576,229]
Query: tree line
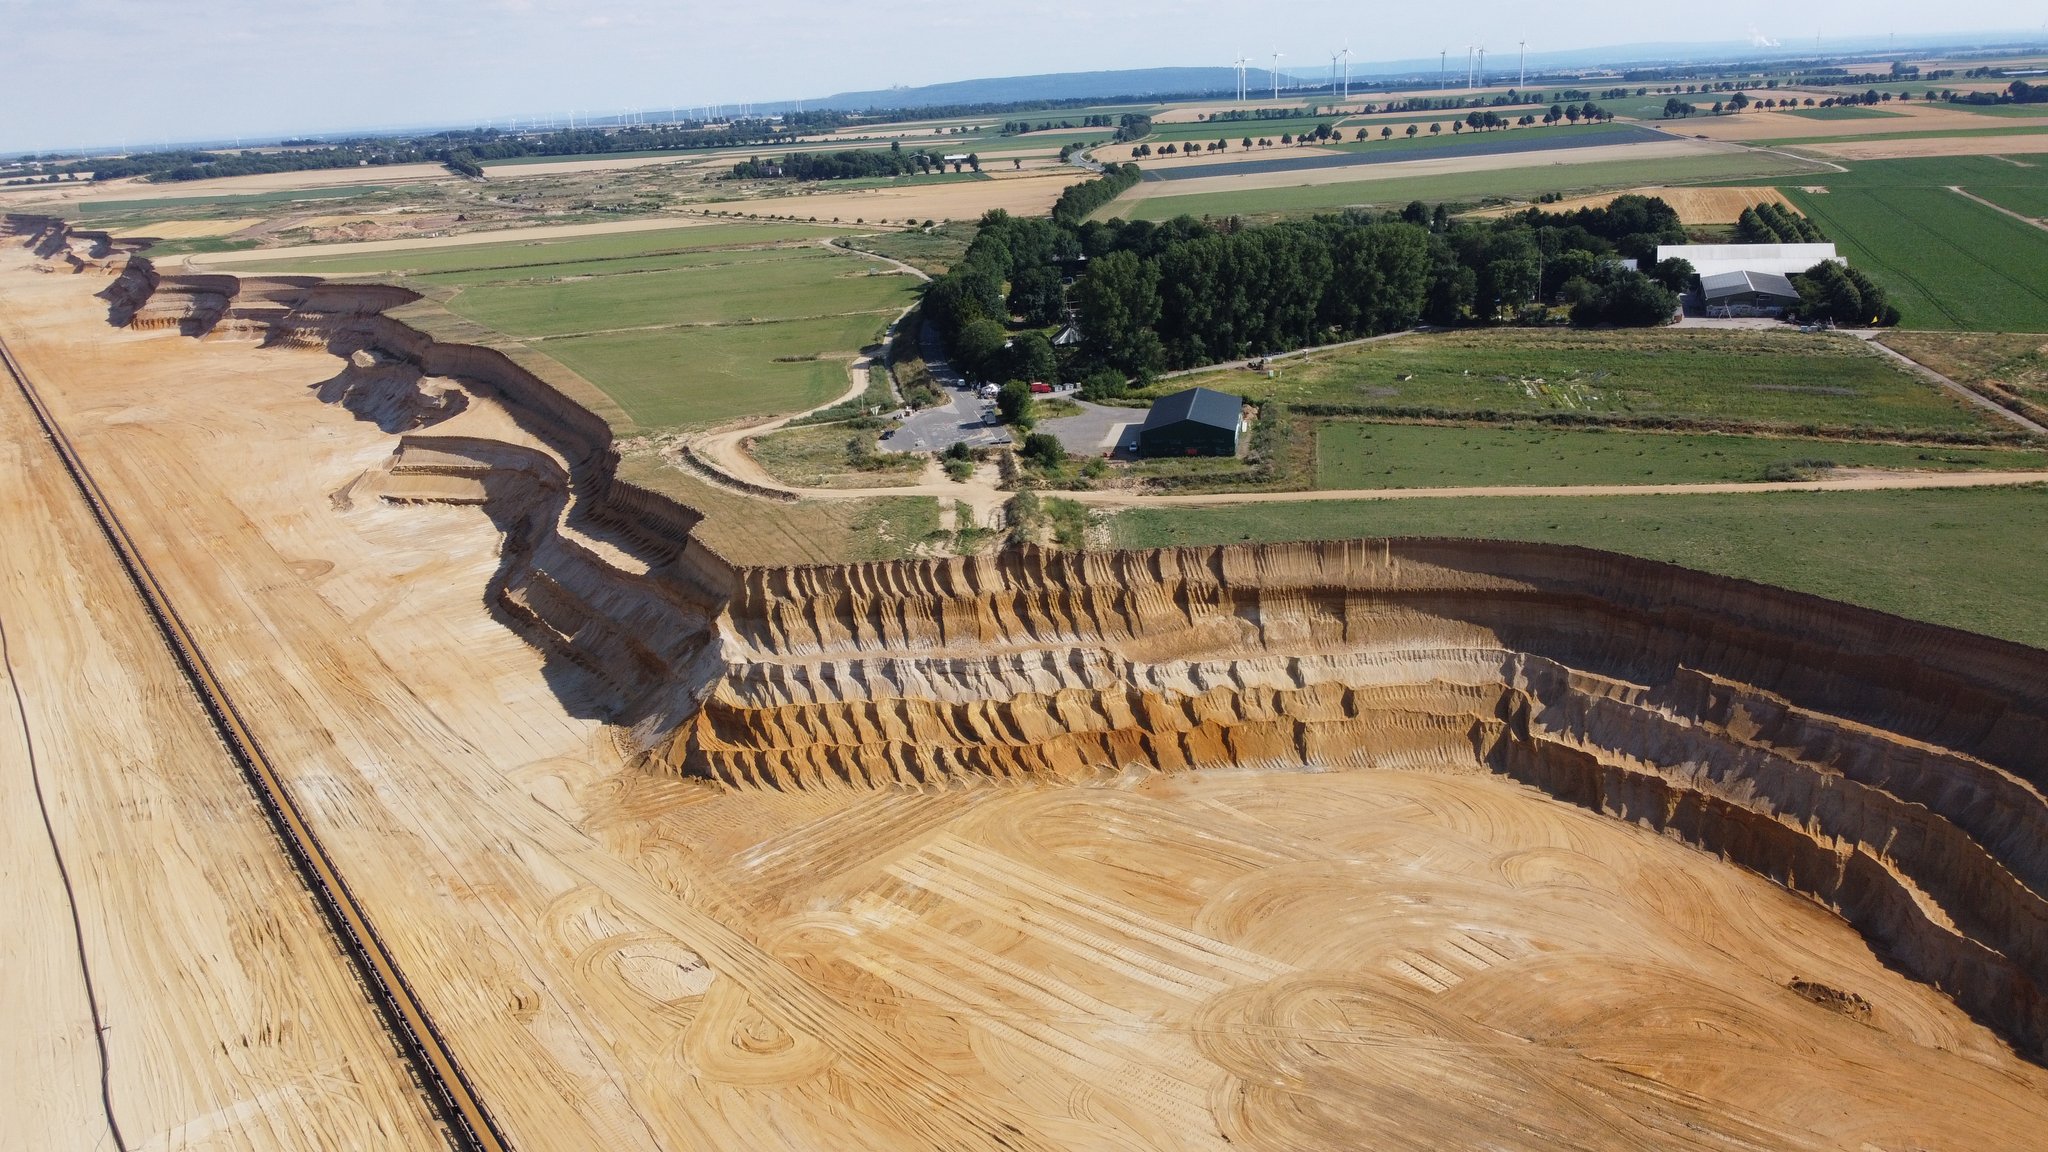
[1020,127]
[1150,297]
[1770,223]
[848,165]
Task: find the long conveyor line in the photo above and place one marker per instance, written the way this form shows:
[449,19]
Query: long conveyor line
[469,1123]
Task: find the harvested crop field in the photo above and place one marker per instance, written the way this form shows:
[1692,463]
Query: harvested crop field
[1388,843]
[1353,455]
[1693,205]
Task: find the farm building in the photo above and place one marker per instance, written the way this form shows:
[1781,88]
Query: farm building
[1197,422]
[1747,293]
[1782,259]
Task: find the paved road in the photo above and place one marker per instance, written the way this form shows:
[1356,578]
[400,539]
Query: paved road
[959,420]
[1095,430]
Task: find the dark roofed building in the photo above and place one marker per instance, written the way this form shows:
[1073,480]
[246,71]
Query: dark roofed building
[1747,293]
[1197,422]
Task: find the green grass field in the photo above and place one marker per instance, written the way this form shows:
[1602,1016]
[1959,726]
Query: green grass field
[1969,558]
[1423,141]
[2016,111]
[1354,455]
[679,377]
[1782,379]
[2015,198]
[1646,107]
[1918,134]
[1947,262]
[1378,188]
[680,327]
[815,283]
[1844,112]
[506,256]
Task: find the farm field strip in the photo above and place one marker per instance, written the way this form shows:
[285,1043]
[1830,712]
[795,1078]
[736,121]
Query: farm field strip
[510,250]
[1501,143]
[1354,455]
[818,284]
[1972,558]
[1783,379]
[1384,190]
[1950,263]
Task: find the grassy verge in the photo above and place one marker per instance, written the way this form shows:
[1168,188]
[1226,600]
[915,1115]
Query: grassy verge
[834,456]
[1352,455]
[747,530]
[2009,367]
[494,256]
[1969,558]
[929,250]
[1692,379]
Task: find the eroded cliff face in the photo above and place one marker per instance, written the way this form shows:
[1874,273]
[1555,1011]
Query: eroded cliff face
[1891,770]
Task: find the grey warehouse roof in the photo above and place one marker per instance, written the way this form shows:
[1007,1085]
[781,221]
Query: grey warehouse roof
[1201,405]
[1724,284]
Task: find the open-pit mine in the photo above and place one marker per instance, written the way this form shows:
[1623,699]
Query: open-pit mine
[1407,843]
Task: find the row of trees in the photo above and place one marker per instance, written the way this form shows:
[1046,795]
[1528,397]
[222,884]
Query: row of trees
[848,165]
[1842,295]
[1150,297]
[1020,127]
[1769,223]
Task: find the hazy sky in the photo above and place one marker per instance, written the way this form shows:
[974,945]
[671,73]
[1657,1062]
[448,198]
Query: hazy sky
[105,72]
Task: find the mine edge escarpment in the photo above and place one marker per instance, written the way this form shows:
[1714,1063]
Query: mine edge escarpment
[1892,770]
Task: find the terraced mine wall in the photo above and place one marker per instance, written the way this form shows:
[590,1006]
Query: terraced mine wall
[1892,770]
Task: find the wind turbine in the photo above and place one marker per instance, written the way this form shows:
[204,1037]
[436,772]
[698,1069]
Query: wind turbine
[1482,67]
[1469,50]
[1333,72]
[1347,73]
[1239,64]
[1442,67]
[1276,74]
[1523,80]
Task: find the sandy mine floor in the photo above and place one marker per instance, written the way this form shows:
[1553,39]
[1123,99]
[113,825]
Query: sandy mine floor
[630,960]
[231,1019]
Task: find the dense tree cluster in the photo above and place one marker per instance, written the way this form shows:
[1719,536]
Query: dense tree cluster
[1839,294]
[1132,126]
[847,165]
[1149,297]
[1020,127]
[1081,200]
[1769,223]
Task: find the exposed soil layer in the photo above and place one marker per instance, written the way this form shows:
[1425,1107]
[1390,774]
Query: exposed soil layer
[1890,770]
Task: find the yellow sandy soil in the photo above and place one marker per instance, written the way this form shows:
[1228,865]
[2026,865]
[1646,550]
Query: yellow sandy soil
[1693,205]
